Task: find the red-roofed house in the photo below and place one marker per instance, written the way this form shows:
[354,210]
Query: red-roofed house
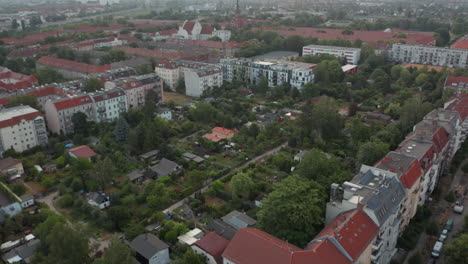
[147,53]
[458,83]
[59,113]
[21,128]
[12,81]
[253,246]
[211,246]
[462,43]
[81,152]
[354,231]
[219,133]
[224,48]
[44,94]
[410,174]
[70,69]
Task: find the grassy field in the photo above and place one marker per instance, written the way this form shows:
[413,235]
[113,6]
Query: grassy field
[176,97]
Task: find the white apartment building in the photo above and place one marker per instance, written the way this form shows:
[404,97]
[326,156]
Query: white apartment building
[109,104]
[276,72]
[169,72]
[199,80]
[21,128]
[59,113]
[352,55]
[427,55]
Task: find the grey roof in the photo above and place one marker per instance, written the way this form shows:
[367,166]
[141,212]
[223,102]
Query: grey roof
[8,163]
[276,55]
[415,147]
[26,197]
[149,154]
[24,251]
[239,220]
[165,168]
[148,245]
[98,197]
[223,229]
[135,174]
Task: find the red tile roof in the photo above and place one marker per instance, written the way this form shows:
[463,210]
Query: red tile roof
[51,90]
[150,53]
[457,82]
[321,251]
[412,37]
[21,81]
[17,119]
[72,65]
[462,43]
[354,230]
[108,95]
[188,26]
[207,30]
[213,137]
[82,152]
[407,168]
[73,102]
[214,44]
[460,105]
[222,131]
[214,245]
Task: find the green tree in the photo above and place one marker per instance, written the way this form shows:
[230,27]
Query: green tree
[48,75]
[92,85]
[118,253]
[171,236]
[293,211]
[412,112]
[80,124]
[103,172]
[322,121]
[120,216]
[180,86]
[241,185]
[25,99]
[371,152]
[121,130]
[457,250]
[416,258]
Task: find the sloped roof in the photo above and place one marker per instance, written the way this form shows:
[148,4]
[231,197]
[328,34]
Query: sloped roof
[150,53]
[72,65]
[207,30]
[406,167]
[221,228]
[462,43]
[213,137]
[460,105]
[165,167]
[188,26]
[353,230]
[222,130]
[148,245]
[236,219]
[457,82]
[9,162]
[321,251]
[82,152]
[73,102]
[214,245]
[14,115]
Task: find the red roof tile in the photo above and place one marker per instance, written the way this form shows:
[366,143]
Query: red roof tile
[462,43]
[17,119]
[354,230]
[21,81]
[213,137]
[321,251]
[222,131]
[51,90]
[214,245]
[460,105]
[108,95]
[72,65]
[457,82]
[73,102]
[406,167]
[207,30]
[150,53]
[188,26]
[82,152]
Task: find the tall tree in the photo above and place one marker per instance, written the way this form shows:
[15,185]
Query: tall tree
[321,167]
[80,123]
[121,130]
[241,185]
[457,250]
[293,211]
[118,253]
[48,75]
[371,152]
[25,99]
[103,172]
[93,84]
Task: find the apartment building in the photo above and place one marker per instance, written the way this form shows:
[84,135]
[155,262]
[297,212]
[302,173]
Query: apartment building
[380,194]
[137,88]
[59,112]
[70,69]
[109,104]
[276,72]
[21,128]
[436,56]
[352,55]
[458,83]
[196,31]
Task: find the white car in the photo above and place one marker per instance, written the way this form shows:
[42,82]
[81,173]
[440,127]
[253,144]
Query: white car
[443,235]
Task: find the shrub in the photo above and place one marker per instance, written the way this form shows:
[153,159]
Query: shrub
[450,197]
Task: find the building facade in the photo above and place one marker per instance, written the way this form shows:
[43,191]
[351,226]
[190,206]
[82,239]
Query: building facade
[426,55]
[21,128]
[109,104]
[59,113]
[352,55]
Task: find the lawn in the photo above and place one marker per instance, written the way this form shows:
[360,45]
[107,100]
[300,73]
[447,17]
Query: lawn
[176,97]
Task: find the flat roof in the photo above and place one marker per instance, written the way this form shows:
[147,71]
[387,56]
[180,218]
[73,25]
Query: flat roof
[9,113]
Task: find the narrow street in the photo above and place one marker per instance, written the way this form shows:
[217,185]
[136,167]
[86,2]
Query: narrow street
[443,210]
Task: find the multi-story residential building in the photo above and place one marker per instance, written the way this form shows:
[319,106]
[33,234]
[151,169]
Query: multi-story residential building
[352,55]
[70,69]
[226,49]
[436,56]
[380,194]
[21,128]
[459,104]
[198,76]
[137,88]
[275,72]
[12,81]
[458,83]
[410,173]
[196,31]
[59,113]
[109,104]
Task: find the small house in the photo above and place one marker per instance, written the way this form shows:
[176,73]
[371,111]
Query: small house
[11,167]
[22,254]
[239,220]
[211,246]
[140,175]
[50,168]
[164,113]
[165,168]
[190,237]
[221,228]
[27,200]
[192,157]
[150,249]
[98,199]
[82,152]
[149,156]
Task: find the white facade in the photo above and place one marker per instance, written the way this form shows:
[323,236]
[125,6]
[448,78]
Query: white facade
[436,56]
[114,43]
[352,55]
[109,105]
[21,128]
[209,258]
[169,75]
[197,81]
[224,35]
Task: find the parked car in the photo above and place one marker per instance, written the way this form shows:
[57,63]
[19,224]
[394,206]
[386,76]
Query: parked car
[437,249]
[449,225]
[443,235]
[458,207]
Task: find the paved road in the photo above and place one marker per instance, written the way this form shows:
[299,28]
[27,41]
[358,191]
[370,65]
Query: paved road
[439,209]
[202,190]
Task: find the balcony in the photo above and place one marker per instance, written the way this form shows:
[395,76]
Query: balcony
[377,245]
